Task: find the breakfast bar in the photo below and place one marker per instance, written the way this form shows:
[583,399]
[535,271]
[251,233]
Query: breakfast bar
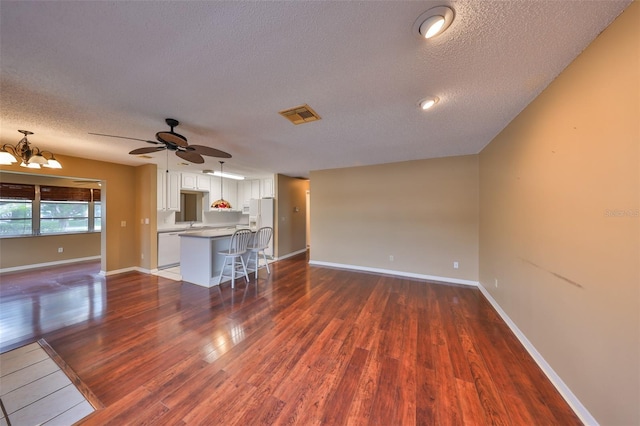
[200,262]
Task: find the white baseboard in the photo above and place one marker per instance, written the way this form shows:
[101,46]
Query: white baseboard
[560,385]
[295,253]
[46,264]
[396,273]
[118,271]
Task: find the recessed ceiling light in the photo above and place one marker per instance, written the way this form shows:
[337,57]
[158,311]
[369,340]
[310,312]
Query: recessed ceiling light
[427,103]
[433,22]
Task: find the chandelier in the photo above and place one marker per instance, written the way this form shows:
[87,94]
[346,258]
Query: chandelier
[32,157]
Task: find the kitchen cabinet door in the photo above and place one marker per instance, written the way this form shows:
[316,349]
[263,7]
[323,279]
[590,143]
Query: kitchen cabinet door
[173,191]
[255,188]
[168,249]
[162,189]
[231,193]
[168,194]
[266,188]
[244,193]
[203,183]
[214,193]
[188,181]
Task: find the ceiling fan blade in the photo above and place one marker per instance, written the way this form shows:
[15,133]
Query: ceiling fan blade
[124,137]
[191,156]
[172,138]
[210,152]
[147,150]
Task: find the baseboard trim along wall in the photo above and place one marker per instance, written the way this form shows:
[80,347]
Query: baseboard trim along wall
[560,385]
[119,271]
[47,264]
[295,253]
[396,273]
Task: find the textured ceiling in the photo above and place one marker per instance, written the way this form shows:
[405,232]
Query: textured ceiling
[225,69]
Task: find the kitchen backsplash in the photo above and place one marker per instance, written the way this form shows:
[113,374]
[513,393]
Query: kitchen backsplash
[215,218]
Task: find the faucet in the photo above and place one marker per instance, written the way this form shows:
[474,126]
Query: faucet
[191,224]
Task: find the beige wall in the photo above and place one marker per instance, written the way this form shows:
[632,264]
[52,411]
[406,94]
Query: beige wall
[559,225]
[118,244]
[22,251]
[290,229]
[424,213]
[146,208]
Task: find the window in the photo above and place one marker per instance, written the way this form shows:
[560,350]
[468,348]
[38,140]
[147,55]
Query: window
[40,209]
[64,210]
[97,210]
[63,216]
[16,209]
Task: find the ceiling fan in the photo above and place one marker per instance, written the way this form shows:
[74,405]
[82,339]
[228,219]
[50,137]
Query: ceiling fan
[172,141]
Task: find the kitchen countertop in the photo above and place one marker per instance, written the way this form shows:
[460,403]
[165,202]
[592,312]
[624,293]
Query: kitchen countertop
[196,228]
[208,233]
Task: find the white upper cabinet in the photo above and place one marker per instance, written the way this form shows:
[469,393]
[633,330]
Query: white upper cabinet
[255,188]
[203,183]
[196,182]
[231,193]
[266,188]
[168,190]
[214,192]
[188,181]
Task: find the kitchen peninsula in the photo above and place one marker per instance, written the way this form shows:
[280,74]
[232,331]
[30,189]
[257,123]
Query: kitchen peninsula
[200,262]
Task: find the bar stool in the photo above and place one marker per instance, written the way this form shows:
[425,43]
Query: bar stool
[237,247]
[259,244]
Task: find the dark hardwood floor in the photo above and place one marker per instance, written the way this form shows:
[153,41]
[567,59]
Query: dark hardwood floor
[307,345]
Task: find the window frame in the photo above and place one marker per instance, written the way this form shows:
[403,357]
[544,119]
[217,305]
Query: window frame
[90,196]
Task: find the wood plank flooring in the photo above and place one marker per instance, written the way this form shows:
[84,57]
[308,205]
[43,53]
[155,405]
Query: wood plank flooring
[306,345]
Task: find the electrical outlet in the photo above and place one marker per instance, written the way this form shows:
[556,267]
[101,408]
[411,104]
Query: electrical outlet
[60,249]
[391,258]
[496,283]
[455,265]
[123,223]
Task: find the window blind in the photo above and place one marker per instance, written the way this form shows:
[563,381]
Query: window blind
[63,193]
[17,191]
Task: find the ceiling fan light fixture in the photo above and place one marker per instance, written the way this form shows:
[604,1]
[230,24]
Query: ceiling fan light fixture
[175,142]
[433,22]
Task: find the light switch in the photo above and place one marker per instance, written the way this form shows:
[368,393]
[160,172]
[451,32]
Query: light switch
[123,223]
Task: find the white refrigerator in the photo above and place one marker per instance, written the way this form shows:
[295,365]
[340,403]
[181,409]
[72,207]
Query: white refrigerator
[261,214]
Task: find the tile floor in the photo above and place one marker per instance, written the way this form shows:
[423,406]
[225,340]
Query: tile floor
[35,391]
[171,273]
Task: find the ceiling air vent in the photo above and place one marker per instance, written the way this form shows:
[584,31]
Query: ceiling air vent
[300,114]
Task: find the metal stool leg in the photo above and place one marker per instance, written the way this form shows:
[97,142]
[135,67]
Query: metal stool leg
[222,270]
[266,262]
